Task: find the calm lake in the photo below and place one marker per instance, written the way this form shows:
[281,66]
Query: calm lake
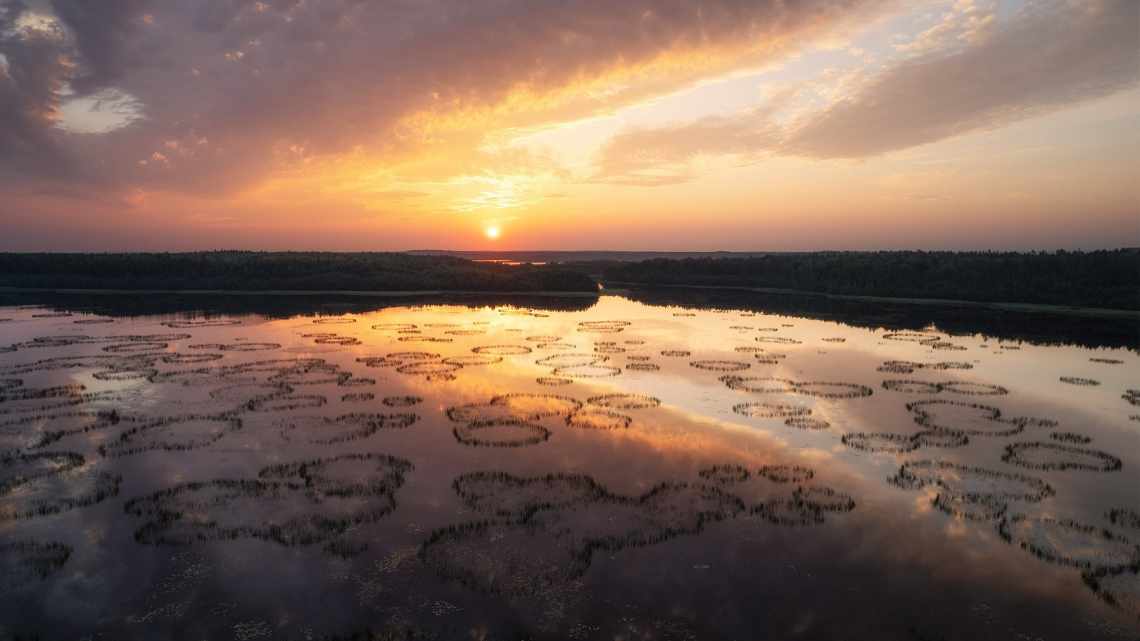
[626,467]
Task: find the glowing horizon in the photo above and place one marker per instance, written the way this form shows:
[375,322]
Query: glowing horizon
[650,125]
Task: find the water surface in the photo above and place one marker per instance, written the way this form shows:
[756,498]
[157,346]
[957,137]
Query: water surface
[618,470]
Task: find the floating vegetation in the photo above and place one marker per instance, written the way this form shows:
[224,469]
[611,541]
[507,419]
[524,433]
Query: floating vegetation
[334,321]
[586,371]
[603,327]
[552,381]
[676,353]
[532,407]
[35,485]
[786,473]
[300,503]
[909,367]
[402,401]
[322,430]
[571,360]
[625,401]
[911,337]
[638,359]
[1068,542]
[772,385]
[881,442]
[957,387]
[720,366]
[1054,456]
[609,349]
[502,350]
[1070,437]
[10,383]
[541,533]
[971,492]
[1107,361]
[1132,396]
[501,432]
[473,360]
[1124,517]
[238,347]
[834,339]
[130,348]
[1075,380]
[206,322]
[771,410]
[358,397]
[725,474]
[26,562]
[394,326]
[643,367]
[190,359]
[172,434]
[1119,589]
[971,419]
[286,403]
[599,420]
[779,340]
[807,423]
[429,368]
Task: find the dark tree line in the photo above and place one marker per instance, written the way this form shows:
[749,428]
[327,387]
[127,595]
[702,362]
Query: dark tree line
[1108,279]
[232,270]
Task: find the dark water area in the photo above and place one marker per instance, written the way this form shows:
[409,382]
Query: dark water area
[622,467]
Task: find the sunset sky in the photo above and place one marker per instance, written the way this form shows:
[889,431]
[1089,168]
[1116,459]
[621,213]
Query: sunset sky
[569,124]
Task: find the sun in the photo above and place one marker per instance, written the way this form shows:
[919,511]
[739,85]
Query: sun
[492,232]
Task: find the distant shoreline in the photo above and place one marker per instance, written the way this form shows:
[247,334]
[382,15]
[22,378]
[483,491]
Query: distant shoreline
[294,292]
[1089,312]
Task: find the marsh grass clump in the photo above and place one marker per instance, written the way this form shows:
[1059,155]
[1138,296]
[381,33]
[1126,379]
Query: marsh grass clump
[43,484]
[286,403]
[779,340]
[206,322]
[625,401]
[676,353]
[1132,396]
[172,434]
[1076,380]
[238,347]
[787,473]
[553,381]
[771,410]
[725,474]
[25,562]
[933,387]
[502,350]
[909,367]
[971,419]
[603,327]
[345,428]
[883,442]
[336,320]
[643,367]
[1070,437]
[429,368]
[592,419]
[501,432]
[912,337]
[807,423]
[1119,589]
[1069,542]
[571,359]
[1059,457]
[358,397]
[1106,361]
[773,385]
[1124,517]
[586,371]
[720,365]
[538,534]
[473,360]
[971,492]
[190,359]
[402,401]
[299,503]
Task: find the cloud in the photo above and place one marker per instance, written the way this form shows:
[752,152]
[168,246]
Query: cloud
[1049,56]
[260,80]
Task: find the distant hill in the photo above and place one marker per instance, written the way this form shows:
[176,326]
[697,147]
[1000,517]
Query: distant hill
[309,271]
